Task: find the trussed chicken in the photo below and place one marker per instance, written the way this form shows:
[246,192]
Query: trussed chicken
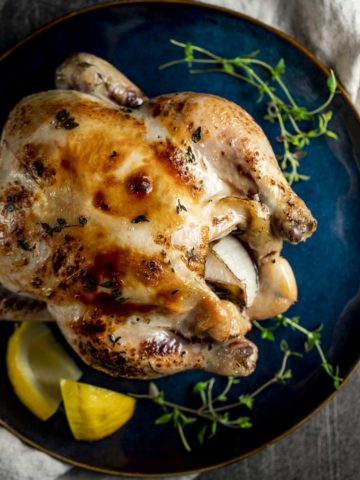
[116,212]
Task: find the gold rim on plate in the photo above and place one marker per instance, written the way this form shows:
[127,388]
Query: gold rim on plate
[325,71]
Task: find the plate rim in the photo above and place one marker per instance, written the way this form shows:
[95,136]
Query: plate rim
[325,71]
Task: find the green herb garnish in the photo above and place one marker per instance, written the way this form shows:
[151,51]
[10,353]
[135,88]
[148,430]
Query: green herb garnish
[191,255]
[140,219]
[117,296]
[213,410]
[189,155]
[61,224]
[10,207]
[114,339]
[180,207]
[63,119]
[295,132]
[196,136]
[82,220]
[296,122]
[106,284]
[313,339]
[23,245]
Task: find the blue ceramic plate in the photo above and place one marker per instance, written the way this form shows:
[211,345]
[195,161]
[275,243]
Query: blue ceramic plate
[135,37]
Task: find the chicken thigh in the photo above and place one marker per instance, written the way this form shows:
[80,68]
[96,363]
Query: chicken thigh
[110,206]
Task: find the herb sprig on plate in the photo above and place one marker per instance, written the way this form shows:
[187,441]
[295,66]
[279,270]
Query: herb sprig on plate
[213,411]
[313,339]
[298,125]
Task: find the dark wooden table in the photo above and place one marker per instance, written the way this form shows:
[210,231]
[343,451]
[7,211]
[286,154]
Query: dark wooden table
[327,447]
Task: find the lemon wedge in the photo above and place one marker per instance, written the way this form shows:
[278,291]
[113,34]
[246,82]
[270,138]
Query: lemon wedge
[93,412]
[36,362]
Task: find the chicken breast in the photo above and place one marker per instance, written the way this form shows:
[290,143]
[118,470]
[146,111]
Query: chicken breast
[109,204]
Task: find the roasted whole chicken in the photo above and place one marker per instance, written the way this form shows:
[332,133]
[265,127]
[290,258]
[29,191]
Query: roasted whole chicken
[149,229]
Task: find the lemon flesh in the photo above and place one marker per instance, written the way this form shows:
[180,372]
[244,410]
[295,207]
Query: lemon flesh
[93,412]
[36,362]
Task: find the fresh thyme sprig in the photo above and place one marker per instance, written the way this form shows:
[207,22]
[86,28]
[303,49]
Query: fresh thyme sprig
[212,412]
[313,339]
[296,123]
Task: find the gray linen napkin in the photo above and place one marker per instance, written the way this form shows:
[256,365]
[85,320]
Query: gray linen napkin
[328,28]
[331,30]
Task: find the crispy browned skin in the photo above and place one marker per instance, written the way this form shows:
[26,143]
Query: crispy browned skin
[106,214]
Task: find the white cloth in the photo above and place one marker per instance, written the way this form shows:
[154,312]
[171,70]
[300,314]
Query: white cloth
[19,462]
[328,28]
[331,30]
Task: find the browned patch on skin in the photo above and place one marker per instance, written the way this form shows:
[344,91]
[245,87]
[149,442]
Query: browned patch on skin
[196,256]
[36,282]
[218,220]
[88,328]
[244,173]
[31,151]
[33,162]
[112,181]
[160,347]
[114,266]
[112,362]
[19,196]
[103,282]
[139,184]
[68,166]
[169,297]
[11,301]
[18,229]
[20,120]
[108,266]
[174,160]
[58,260]
[148,359]
[108,305]
[156,111]
[161,239]
[38,168]
[244,350]
[180,107]
[99,201]
[68,238]
[151,270]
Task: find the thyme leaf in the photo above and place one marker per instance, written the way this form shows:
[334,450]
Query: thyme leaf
[180,207]
[196,135]
[63,119]
[82,220]
[211,412]
[106,284]
[117,296]
[114,339]
[61,224]
[140,219]
[189,155]
[312,341]
[10,207]
[23,245]
[191,255]
[215,410]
